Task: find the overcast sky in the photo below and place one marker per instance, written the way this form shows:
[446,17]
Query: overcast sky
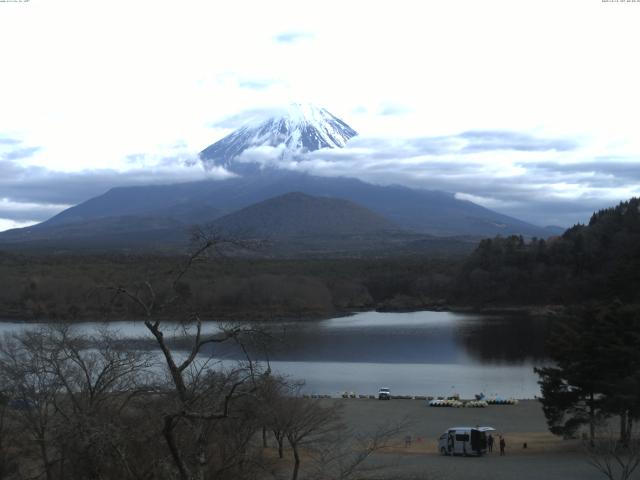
[527,107]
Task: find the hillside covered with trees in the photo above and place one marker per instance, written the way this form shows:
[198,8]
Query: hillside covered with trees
[595,262]
[598,261]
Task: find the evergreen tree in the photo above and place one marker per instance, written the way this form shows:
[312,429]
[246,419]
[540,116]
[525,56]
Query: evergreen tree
[621,362]
[596,372]
[571,390]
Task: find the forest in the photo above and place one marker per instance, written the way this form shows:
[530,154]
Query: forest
[79,288]
[599,261]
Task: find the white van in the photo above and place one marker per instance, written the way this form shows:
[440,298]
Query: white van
[464,441]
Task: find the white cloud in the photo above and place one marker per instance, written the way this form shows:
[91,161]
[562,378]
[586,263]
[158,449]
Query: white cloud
[91,84]
[489,202]
[533,178]
[9,205]
[8,224]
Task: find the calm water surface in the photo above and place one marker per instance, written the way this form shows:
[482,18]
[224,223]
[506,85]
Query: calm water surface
[428,353]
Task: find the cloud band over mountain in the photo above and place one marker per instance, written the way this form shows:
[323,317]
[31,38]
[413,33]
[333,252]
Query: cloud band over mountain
[539,179]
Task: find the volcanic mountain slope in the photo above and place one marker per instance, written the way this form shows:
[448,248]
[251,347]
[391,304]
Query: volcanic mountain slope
[420,211]
[423,211]
[122,233]
[299,215]
[298,129]
[160,211]
[293,225]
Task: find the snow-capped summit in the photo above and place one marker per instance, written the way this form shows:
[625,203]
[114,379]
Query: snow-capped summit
[294,130]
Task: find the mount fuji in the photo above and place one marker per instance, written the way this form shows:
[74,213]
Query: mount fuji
[158,217]
[292,131]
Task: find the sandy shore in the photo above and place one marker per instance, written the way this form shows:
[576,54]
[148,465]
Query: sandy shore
[546,456]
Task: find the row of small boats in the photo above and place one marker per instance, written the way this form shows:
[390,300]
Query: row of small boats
[455,403]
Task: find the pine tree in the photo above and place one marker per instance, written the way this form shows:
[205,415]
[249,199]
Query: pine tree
[571,390]
[596,372]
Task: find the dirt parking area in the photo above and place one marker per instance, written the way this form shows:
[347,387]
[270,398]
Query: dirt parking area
[545,457]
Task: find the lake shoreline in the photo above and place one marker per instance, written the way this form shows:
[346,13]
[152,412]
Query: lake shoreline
[427,353]
[261,317]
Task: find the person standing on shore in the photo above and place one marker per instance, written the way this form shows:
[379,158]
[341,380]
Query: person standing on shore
[490,443]
[503,444]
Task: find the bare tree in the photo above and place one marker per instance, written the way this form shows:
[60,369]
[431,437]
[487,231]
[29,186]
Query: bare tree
[344,453]
[33,390]
[99,379]
[615,459]
[199,396]
[7,462]
[308,420]
[313,426]
[67,393]
[272,409]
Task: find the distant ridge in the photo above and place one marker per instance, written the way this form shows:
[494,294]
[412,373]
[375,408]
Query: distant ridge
[144,212]
[296,214]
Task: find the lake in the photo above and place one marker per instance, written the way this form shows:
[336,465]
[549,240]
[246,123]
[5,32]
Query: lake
[421,353]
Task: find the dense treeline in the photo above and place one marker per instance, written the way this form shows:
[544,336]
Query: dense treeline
[599,261]
[76,287]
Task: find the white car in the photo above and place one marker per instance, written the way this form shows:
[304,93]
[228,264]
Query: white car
[384,394]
